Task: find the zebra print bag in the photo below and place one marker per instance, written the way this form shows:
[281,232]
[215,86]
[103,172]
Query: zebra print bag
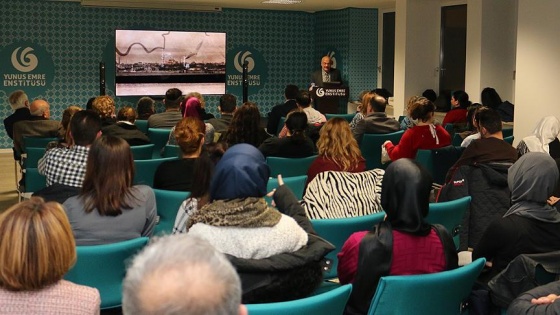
[333,194]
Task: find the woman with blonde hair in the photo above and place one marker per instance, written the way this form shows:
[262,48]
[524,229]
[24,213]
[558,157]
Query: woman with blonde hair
[365,98]
[178,174]
[36,249]
[338,150]
[109,208]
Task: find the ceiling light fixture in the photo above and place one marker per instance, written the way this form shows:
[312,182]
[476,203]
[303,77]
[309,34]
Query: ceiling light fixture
[282,1]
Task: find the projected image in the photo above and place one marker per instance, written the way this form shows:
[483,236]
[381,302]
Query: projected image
[150,62]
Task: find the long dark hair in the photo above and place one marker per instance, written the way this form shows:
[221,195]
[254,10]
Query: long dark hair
[204,169]
[109,175]
[296,122]
[245,125]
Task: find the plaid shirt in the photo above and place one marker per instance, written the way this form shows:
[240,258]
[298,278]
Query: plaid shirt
[66,166]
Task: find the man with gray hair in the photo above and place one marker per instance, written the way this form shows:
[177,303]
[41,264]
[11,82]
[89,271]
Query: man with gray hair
[181,274]
[38,125]
[20,105]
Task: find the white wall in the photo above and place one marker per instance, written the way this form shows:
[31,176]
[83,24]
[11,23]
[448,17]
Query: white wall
[538,64]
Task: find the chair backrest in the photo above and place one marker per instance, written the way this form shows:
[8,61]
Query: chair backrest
[295,183]
[168,203]
[371,147]
[450,214]
[104,267]
[159,137]
[33,156]
[456,140]
[33,180]
[401,118]
[347,117]
[436,293]
[281,123]
[337,231]
[171,150]
[145,170]
[507,132]
[142,125]
[37,142]
[329,303]
[142,152]
[438,161]
[450,128]
[509,139]
[289,167]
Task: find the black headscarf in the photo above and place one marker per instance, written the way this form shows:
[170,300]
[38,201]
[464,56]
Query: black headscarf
[405,197]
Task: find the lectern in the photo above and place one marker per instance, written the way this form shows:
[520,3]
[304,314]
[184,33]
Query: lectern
[328,98]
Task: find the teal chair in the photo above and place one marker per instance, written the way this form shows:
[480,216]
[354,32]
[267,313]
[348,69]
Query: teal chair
[171,150]
[438,161]
[337,231]
[281,123]
[347,117]
[159,137]
[296,185]
[509,139]
[142,125]
[142,152]
[371,147]
[145,170]
[33,155]
[103,267]
[507,132]
[456,140]
[289,167]
[436,293]
[450,214]
[33,182]
[37,142]
[168,202]
[450,128]
[328,303]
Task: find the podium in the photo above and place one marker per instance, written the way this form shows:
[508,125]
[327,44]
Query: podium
[328,98]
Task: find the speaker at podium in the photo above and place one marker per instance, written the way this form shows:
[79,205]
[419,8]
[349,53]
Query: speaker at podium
[329,97]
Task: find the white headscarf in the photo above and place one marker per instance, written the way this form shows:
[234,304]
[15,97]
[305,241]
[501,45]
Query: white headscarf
[547,129]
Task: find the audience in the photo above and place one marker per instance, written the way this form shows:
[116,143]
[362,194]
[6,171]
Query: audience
[491,147]
[425,135]
[109,209]
[36,250]
[472,132]
[398,245]
[201,110]
[543,139]
[407,122]
[20,105]
[537,301]
[145,107]
[277,254]
[126,129]
[530,226]
[295,145]
[171,115]
[228,105]
[290,93]
[104,105]
[364,98]
[178,174]
[181,275]
[458,113]
[376,120]
[38,125]
[490,98]
[314,118]
[245,127]
[64,139]
[337,150]
[430,95]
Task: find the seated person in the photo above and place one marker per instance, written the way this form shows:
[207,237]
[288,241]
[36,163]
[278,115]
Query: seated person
[530,226]
[228,105]
[281,110]
[295,145]
[490,98]
[276,253]
[245,127]
[425,135]
[36,250]
[472,132]
[104,105]
[64,139]
[363,99]
[337,149]
[491,147]
[314,117]
[537,301]
[543,139]
[396,246]
[109,208]
[376,120]
[126,129]
[197,108]
[171,115]
[178,174]
[145,107]
[407,122]
[38,124]
[20,105]
[458,113]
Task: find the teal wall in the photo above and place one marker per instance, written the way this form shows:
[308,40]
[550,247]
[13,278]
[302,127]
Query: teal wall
[291,43]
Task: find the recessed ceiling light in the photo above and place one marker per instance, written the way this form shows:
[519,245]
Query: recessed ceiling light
[282,1]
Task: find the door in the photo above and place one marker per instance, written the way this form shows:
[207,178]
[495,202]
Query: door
[388,57]
[453,50]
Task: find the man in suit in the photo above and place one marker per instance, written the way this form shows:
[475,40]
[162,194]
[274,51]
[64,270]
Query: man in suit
[38,125]
[20,104]
[376,120]
[326,74]
[290,93]
[172,114]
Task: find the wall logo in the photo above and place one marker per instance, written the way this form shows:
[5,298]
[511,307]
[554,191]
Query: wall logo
[320,92]
[28,66]
[25,61]
[333,58]
[257,70]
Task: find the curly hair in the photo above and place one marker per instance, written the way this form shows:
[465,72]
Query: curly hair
[104,105]
[337,144]
[189,133]
[245,124]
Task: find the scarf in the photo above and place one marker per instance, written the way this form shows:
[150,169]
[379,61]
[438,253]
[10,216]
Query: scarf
[545,132]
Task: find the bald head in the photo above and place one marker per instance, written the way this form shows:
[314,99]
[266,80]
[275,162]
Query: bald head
[40,108]
[377,104]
